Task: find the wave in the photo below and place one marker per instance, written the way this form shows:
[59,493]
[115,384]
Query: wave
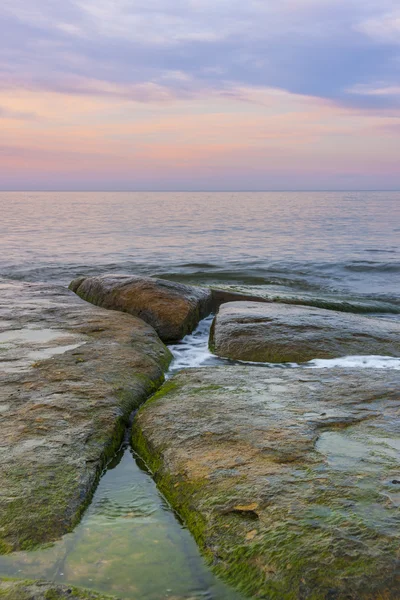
[366,266]
[353,286]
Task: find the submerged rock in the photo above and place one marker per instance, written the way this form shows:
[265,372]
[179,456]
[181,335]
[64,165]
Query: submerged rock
[173,309]
[42,590]
[286,477]
[259,332]
[70,376]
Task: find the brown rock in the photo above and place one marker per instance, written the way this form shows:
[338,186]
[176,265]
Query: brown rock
[259,332]
[70,376]
[173,309]
[286,476]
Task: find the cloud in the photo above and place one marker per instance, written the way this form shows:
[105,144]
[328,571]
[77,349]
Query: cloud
[154,50]
[382,90]
[383,28]
[6,113]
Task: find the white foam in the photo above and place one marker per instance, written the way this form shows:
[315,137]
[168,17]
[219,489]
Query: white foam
[359,362]
[193,351]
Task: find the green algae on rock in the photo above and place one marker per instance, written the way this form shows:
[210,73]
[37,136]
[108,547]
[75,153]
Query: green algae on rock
[173,309]
[259,332]
[286,478]
[42,590]
[71,374]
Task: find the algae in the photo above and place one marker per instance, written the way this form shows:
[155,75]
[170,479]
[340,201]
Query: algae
[41,590]
[317,528]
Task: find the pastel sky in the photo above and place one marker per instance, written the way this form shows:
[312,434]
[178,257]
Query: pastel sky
[199,94]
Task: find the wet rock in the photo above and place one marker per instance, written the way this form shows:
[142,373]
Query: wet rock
[259,332]
[284,476]
[70,376]
[222,296]
[173,309]
[41,590]
[329,302]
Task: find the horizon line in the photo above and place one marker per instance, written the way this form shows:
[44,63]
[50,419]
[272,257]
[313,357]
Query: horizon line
[174,191]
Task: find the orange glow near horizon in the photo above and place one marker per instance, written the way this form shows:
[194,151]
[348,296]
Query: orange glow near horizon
[256,138]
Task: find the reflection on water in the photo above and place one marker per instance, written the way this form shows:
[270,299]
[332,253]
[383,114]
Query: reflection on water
[43,343]
[129,543]
[362,452]
[344,449]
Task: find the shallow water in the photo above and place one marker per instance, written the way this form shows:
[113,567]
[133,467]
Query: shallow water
[45,343]
[129,543]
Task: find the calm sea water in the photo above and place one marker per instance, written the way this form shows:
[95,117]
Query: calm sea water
[343,244]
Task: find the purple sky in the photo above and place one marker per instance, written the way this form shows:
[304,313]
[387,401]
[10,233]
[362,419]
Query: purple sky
[157,94]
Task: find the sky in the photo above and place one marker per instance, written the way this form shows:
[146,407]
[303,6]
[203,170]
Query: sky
[199,94]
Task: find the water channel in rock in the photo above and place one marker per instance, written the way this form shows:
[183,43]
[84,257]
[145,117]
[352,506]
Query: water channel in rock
[130,542]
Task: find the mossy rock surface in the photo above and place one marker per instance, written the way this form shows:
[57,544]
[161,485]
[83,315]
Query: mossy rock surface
[287,478]
[278,333]
[42,590]
[173,309]
[71,374]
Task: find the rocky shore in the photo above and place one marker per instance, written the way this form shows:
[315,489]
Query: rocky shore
[280,333]
[172,309]
[71,374]
[289,479]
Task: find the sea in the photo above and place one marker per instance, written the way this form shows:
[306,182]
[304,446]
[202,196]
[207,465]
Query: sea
[320,244]
[331,249]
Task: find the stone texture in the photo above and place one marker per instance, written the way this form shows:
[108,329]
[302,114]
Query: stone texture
[222,296]
[288,478]
[260,332]
[41,590]
[70,376]
[173,309]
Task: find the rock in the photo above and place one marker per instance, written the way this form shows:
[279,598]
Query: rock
[284,476]
[329,302]
[259,332]
[42,590]
[222,296]
[70,376]
[173,309]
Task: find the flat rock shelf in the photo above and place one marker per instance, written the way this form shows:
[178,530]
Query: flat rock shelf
[71,374]
[287,476]
[280,333]
[289,479]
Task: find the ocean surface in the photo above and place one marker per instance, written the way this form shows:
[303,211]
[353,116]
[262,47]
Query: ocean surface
[340,245]
[331,249]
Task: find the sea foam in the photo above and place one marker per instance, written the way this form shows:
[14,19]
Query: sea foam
[193,352]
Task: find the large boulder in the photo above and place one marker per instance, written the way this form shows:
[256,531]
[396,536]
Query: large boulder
[259,332]
[173,309]
[70,376]
[288,478]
